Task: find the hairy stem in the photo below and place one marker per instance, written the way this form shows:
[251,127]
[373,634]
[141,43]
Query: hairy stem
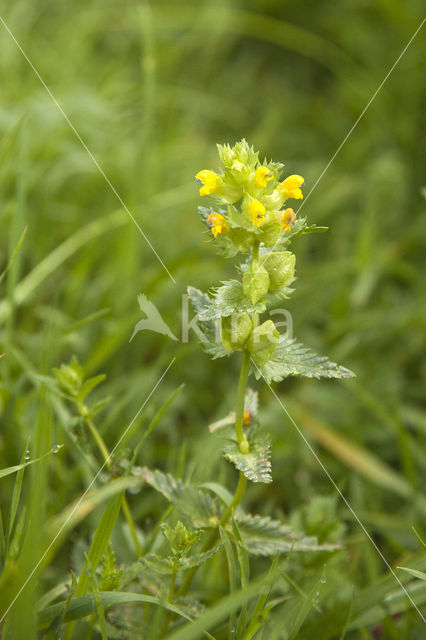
[242,482]
[239,409]
[170,601]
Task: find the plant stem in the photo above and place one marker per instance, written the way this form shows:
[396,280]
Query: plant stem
[239,492]
[128,515]
[99,441]
[170,601]
[124,505]
[241,394]
[242,482]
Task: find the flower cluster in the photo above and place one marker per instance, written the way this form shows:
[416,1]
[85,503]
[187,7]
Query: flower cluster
[249,216]
[253,194]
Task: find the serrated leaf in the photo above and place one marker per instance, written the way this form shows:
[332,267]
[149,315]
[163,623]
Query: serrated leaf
[227,299]
[158,564]
[89,384]
[263,536]
[300,227]
[207,333]
[197,508]
[198,559]
[256,464]
[294,359]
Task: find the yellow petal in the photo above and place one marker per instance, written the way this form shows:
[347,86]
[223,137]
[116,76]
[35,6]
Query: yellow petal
[262,177]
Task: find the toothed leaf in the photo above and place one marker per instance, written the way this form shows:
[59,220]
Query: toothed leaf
[228,298]
[207,333]
[256,465]
[263,536]
[293,359]
[197,508]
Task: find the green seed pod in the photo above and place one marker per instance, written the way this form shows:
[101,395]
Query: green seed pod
[235,329]
[256,283]
[280,268]
[263,342]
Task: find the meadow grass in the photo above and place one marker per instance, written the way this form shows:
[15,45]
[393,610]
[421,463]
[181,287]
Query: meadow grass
[151,88]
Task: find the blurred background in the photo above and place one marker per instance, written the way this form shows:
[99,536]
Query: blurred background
[151,88]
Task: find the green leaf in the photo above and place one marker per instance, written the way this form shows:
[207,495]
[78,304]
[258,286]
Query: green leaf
[89,384]
[256,464]
[158,564]
[414,572]
[228,298]
[300,227]
[198,558]
[18,467]
[180,538]
[110,577]
[265,537]
[196,507]
[293,359]
[244,564]
[232,568]
[14,254]
[207,332]
[80,607]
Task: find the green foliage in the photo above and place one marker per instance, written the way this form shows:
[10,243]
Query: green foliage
[256,464]
[110,577]
[235,330]
[263,536]
[150,88]
[263,343]
[227,299]
[195,507]
[293,359]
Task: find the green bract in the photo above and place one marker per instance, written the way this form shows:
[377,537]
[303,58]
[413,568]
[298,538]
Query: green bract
[256,283]
[280,268]
[263,342]
[235,330]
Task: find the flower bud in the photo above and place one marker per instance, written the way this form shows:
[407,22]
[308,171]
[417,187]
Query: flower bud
[263,342]
[235,329]
[280,268]
[255,283]
[226,154]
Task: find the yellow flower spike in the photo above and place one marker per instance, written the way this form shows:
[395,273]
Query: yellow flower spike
[291,187]
[217,224]
[257,212]
[288,219]
[209,180]
[262,177]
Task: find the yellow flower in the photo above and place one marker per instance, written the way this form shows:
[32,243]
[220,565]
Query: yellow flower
[210,182]
[291,187]
[257,212]
[288,219]
[262,177]
[217,224]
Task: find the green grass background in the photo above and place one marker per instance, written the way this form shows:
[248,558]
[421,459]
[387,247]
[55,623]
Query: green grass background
[151,89]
